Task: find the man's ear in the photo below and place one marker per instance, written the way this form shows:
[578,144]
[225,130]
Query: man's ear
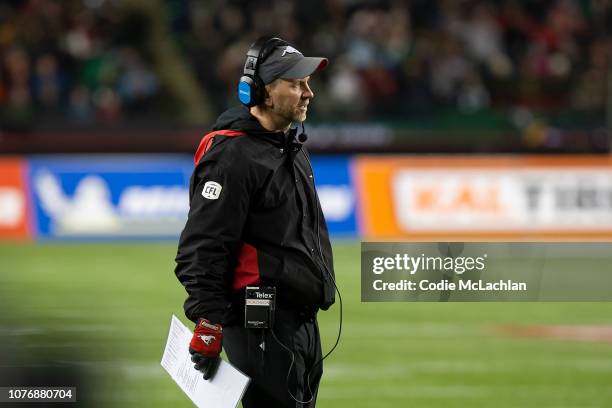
[268,103]
[267,99]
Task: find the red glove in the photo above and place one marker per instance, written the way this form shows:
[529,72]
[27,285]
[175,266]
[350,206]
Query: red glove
[205,347]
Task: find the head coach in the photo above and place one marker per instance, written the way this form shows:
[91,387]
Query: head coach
[255,222]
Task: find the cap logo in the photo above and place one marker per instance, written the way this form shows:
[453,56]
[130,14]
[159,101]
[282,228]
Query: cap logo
[290,50]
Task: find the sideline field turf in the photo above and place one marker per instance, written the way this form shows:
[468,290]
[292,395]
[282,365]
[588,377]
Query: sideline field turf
[104,308]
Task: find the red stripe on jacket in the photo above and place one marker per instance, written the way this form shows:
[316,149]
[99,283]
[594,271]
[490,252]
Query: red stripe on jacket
[207,142]
[247,271]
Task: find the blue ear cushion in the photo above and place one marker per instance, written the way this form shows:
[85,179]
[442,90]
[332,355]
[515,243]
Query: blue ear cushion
[250,91]
[245,91]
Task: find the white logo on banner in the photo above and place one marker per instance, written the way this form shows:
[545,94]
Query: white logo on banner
[211,190]
[337,202]
[90,210]
[11,207]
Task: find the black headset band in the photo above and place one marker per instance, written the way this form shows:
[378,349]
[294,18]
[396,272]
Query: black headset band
[258,52]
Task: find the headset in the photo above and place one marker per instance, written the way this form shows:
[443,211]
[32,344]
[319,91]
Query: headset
[251,87]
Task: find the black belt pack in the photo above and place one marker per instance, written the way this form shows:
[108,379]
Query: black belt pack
[259,305]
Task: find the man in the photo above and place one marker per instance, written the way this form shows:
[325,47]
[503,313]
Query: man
[255,220]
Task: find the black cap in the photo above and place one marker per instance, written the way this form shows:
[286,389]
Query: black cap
[288,63]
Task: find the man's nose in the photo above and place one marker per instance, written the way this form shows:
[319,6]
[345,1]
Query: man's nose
[307,92]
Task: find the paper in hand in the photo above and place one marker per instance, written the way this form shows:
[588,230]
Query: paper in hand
[225,389]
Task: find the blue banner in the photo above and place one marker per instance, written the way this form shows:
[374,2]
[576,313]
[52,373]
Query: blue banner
[336,193]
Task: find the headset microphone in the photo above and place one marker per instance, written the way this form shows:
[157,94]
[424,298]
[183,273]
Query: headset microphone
[302,137]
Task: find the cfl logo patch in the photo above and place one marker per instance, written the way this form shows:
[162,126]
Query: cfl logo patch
[211,190]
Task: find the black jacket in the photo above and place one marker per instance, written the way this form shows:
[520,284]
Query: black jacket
[261,223]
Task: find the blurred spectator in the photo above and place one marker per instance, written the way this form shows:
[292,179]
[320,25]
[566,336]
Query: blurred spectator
[17,104]
[449,69]
[79,106]
[481,33]
[48,83]
[590,91]
[345,88]
[137,85]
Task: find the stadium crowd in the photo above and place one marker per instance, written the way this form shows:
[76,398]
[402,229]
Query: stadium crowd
[102,61]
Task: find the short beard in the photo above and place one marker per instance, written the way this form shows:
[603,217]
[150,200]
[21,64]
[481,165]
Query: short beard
[298,117]
[292,116]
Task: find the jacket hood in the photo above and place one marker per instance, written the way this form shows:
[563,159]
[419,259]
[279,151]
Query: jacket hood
[240,119]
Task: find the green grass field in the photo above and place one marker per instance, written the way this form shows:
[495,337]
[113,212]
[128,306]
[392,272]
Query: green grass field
[105,308]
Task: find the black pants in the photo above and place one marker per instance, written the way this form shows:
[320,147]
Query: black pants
[268,365]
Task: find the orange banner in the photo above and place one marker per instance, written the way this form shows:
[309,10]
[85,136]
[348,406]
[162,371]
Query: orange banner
[484,198]
[14,220]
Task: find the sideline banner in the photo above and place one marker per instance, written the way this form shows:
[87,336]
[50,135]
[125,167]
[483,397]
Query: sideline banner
[436,198]
[15,220]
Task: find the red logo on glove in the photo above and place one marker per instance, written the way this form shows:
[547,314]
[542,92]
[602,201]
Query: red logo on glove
[207,338]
